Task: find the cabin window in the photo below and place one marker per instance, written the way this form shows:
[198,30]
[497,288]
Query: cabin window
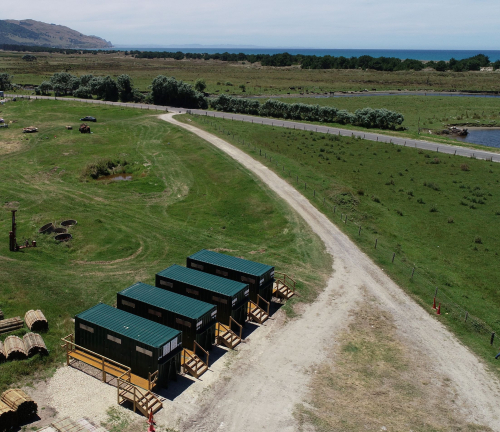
[144,351]
[221,272]
[165,283]
[196,266]
[86,328]
[166,349]
[192,291]
[127,303]
[153,312]
[114,339]
[219,300]
[182,322]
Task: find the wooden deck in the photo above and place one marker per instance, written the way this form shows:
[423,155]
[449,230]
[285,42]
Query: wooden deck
[108,367]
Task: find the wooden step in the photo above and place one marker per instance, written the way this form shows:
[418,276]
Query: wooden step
[195,366]
[258,314]
[229,338]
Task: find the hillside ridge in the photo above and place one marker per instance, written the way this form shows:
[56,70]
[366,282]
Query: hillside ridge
[31,32]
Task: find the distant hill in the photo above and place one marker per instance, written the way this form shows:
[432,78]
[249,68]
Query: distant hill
[31,32]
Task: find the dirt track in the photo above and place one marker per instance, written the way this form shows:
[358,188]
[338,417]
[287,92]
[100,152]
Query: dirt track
[267,382]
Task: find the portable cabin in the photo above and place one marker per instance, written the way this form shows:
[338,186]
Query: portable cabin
[196,319]
[259,277]
[143,345]
[230,297]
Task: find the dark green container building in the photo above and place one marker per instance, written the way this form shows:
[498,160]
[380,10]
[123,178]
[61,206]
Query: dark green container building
[259,277]
[196,319]
[143,345]
[230,297]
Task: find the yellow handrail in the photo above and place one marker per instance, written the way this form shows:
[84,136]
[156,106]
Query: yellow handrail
[265,301]
[237,323]
[196,344]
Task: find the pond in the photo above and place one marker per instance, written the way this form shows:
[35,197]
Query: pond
[488,137]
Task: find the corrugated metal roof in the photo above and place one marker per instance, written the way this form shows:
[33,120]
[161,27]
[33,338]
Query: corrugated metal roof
[203,280]
[167,300]
[129,325]
[230,262]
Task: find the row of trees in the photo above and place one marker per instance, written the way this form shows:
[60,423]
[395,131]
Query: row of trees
[87,86]
[164,90]
[366,117]
[388,64]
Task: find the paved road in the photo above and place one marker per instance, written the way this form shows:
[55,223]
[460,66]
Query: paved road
[422,144]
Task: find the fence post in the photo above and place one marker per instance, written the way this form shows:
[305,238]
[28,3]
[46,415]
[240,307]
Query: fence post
[412,272]
[492,338]
[314,192]
[393,255]
[466,316]
[436,292]
[376,241]
[359,231]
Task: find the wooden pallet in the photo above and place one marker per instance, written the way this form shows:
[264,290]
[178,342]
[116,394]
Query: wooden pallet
[11,324]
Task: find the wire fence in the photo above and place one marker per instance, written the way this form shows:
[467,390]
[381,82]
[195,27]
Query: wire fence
[421,283]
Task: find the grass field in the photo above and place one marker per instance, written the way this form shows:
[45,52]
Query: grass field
[257,79]
[424,112]
[438,213]
[184,196]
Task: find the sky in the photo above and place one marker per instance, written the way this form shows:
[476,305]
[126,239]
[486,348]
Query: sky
[335,24]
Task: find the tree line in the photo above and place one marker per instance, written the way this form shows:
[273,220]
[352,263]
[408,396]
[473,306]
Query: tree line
[366,117]
[387,64]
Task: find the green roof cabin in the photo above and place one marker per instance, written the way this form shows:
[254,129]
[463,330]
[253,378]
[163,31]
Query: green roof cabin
[194,318]
[259,277]
[141,344]
[230,297]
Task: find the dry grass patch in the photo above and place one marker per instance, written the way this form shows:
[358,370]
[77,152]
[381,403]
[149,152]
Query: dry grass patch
[374,382]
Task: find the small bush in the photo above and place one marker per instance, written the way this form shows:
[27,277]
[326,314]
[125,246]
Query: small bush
[410,192]
[399,212]
[361,192]
[464,167]
[478,240]
[433,208]
[450,219]
[375,199]
[420,201]
[432,186]
[104,167]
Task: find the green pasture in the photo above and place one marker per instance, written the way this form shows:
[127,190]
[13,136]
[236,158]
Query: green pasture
[439,214]
[184,196]
[257,79]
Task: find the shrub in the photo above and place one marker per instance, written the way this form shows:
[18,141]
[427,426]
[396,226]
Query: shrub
[464,167]
[433,208]
[399,212]
[450,219]
[103,167]
[478,240]
[375,199]
[169,91]
[432,186]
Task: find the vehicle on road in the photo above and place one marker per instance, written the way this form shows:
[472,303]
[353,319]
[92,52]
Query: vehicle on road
[88,118]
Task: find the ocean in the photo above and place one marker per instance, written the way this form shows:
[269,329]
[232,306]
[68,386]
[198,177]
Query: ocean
[435,55]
